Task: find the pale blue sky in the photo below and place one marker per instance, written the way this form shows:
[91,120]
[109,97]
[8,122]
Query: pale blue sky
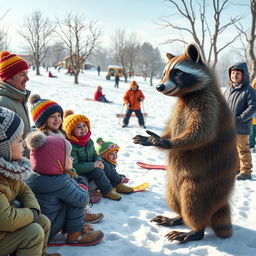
[138,16]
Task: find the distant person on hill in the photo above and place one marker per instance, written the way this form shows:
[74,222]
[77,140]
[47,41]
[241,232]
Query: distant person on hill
[116,81]
[132,99]
[99,96]
[51,75]
[13,92]
[98,69]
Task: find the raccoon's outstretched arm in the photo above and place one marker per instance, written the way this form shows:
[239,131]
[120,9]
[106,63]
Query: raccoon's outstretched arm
[152,140]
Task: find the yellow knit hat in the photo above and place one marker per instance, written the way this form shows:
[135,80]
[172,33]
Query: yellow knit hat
[70,122]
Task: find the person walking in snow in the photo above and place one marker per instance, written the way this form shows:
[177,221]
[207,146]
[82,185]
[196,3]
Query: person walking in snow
[116,81]
[132,99]
[241,98]
[86,161]
[108,151]
[61,199]
[23,229]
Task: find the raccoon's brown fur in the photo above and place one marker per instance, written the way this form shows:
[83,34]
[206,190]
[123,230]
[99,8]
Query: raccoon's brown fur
[202,149]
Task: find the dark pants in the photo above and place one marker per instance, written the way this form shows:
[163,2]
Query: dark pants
[252,137]
[70,219]
[137,113]
[100,179]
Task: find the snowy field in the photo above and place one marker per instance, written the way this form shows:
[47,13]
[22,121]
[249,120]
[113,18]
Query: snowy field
[127,226]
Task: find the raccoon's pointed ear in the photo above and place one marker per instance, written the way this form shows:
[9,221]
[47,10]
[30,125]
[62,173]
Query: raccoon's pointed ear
[169,56]
[193,53]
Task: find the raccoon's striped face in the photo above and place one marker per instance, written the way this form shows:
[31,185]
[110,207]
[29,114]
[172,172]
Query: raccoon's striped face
[181,76]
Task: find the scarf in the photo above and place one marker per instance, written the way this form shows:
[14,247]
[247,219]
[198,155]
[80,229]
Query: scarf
[81,140]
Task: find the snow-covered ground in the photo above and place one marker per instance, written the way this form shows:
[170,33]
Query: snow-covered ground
[127,226]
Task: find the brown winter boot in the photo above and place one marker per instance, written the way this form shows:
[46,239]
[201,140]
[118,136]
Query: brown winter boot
[113,195]
[121,188]
[91,237]
[92,217]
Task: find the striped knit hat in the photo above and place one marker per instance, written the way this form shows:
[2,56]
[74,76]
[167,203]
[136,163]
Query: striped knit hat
[70,122]
[105,147]
[42,109]
[11,127]
[10,65]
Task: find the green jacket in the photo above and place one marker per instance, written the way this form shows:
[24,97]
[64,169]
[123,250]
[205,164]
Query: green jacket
[84,157]
[16,101]
[13,188]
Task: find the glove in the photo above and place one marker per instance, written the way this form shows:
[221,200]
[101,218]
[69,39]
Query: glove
[139,100]
[129,105]
[125,180]
[36,214]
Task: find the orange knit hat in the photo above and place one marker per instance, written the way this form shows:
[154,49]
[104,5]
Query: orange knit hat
[71,121]
[133,83]
[10,65]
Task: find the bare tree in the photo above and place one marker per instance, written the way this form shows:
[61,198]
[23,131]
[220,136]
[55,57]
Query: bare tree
[250,38]
[80,38]
[149,62]
[3,32]
[198,26]
[37,31]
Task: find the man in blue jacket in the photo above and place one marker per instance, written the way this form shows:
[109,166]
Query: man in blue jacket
[241,98]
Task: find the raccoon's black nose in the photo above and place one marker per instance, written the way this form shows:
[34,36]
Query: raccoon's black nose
[160,87]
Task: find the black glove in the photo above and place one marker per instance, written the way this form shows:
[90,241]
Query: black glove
[139,100]
[36,214]
[129,105]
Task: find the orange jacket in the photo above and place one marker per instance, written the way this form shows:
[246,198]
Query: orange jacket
[132,98]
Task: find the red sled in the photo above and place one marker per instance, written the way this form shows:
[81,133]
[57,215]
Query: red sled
[151,166]
[132,115]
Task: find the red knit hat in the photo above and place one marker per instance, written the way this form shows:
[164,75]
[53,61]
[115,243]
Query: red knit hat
[10,65]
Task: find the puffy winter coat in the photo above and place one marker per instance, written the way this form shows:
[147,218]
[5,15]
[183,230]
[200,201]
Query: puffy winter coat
[16,101]
[84,157]
[242,101]
[133,98]
[98,94]
[53,191]
[12,187]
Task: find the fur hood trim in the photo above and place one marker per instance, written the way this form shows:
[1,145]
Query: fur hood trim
[16,170]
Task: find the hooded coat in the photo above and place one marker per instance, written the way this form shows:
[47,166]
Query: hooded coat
[12,188]
[241,100]
[133,98]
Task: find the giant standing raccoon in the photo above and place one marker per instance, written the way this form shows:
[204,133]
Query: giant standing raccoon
[200,139]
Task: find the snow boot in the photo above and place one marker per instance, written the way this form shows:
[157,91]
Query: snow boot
[113,195]
[92,217]
[90,237]
[53,254]
[121,188]
[243,176]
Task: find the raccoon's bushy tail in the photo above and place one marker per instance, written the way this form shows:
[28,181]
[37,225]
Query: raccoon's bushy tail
[221,222]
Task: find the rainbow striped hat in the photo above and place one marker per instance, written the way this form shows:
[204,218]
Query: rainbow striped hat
[43,109]
[10,65]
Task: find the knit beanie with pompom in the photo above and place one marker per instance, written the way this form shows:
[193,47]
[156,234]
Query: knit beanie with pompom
[42,109]
[10,65]
[70,122]
[48,153]
[105,147]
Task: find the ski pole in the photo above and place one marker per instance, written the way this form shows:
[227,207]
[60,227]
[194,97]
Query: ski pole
[121,114]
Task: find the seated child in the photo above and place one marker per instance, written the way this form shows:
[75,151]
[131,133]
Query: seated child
[86,161]
[23,229]
[108,151]
[61,199]
[48,117]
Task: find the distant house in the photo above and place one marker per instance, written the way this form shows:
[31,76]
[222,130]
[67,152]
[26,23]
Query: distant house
[68,63]
[88,65]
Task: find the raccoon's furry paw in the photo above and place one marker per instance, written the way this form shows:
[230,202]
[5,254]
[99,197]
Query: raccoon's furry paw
[142,140]
[158,141]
